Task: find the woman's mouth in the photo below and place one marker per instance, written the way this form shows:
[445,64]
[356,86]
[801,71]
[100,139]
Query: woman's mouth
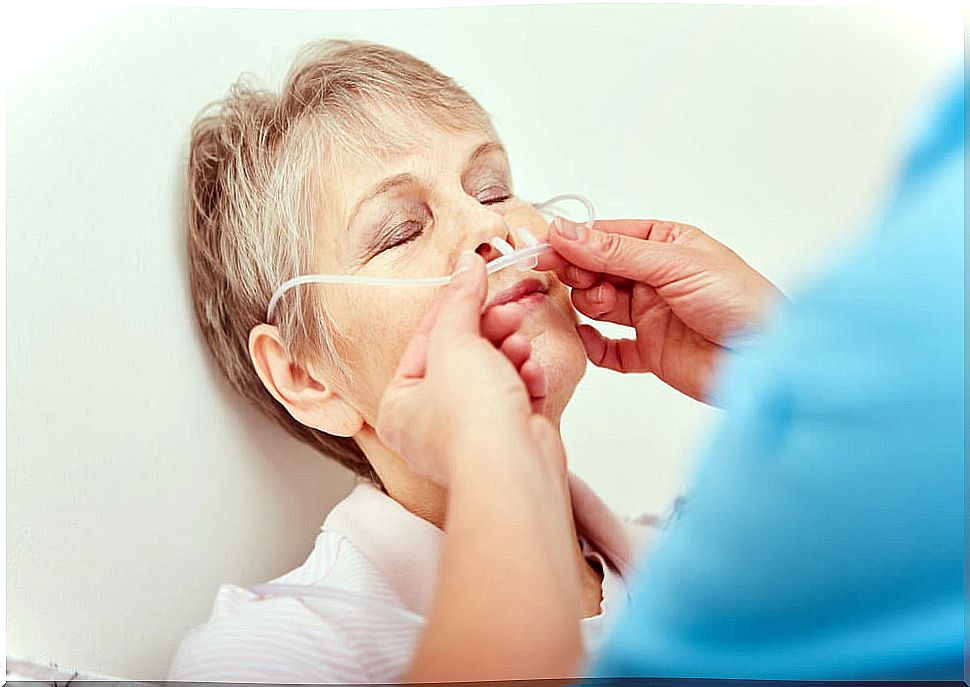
[529,292]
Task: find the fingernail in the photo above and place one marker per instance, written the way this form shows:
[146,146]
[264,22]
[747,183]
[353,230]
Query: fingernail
[569,230]
[465,262]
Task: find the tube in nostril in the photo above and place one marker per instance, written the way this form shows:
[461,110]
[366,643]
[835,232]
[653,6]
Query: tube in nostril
[525,237]
[502,246]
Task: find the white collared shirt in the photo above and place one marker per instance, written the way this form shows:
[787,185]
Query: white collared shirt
[372,573]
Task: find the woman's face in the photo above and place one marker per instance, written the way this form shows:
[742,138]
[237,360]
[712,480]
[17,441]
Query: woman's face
[412,215]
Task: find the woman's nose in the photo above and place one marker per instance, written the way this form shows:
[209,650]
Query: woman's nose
[488,230]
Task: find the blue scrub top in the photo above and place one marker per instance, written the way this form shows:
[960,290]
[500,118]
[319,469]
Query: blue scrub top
[823,535]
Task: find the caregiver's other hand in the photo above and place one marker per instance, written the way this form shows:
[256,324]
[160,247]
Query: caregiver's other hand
[465,384]
[685,294]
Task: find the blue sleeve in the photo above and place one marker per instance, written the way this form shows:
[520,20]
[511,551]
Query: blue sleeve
[823,534]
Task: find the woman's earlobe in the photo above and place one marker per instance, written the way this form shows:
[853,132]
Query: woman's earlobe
[334,416]
[310,401]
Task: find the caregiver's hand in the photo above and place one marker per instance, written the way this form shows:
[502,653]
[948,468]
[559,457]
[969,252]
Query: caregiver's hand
[461,409]
[684,293]
[466,384]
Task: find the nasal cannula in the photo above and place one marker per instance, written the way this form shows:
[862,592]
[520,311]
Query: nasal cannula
[524,258]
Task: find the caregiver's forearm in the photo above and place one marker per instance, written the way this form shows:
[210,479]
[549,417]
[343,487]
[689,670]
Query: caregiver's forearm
[507,603]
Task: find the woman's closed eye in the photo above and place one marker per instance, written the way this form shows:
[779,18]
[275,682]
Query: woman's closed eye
[404,232]
[493,195]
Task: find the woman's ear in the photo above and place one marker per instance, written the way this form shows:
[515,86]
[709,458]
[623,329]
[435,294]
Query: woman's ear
[309,401]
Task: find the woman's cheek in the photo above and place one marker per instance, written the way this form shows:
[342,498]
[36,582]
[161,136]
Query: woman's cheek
[560,296]
[395,322]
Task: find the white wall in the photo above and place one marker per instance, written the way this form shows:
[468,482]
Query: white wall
[137,482]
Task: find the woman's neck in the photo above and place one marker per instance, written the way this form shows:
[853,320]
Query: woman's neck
[429,501]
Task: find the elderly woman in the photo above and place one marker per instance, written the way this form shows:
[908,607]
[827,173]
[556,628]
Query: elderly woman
[370,162]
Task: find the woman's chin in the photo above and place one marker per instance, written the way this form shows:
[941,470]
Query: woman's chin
[563,360]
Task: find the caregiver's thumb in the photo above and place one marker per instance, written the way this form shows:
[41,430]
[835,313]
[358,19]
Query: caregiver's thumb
[460,309]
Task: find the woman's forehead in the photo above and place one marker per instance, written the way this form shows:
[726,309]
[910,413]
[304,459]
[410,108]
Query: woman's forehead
[436,157]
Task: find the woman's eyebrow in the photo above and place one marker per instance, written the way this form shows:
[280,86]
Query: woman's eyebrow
[404,179]
[484,149]
[382,187]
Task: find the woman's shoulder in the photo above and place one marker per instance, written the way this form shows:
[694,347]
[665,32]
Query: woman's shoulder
[272,639]
[284,631]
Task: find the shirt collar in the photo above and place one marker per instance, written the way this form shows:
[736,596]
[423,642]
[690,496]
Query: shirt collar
[405,548]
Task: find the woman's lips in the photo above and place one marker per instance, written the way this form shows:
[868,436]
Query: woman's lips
[529,290]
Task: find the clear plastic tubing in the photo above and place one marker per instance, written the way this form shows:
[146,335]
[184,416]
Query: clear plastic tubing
[524,257]
[519,256]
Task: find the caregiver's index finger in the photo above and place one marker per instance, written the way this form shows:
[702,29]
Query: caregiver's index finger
[550,260]
[644,229]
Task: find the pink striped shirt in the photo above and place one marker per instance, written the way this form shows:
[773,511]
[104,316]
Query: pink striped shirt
[354,610]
